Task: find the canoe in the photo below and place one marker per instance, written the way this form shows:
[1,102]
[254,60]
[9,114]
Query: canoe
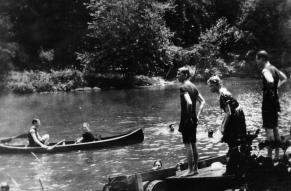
[130,137]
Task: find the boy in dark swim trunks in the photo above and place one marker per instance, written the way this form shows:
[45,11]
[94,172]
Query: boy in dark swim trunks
[189,95]
[272,80]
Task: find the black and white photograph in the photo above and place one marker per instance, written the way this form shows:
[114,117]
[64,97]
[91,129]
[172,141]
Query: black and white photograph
[145,95]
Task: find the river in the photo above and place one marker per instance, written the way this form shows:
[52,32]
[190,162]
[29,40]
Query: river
[111,112]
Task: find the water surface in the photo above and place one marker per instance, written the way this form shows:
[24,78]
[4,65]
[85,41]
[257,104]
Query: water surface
[111,112]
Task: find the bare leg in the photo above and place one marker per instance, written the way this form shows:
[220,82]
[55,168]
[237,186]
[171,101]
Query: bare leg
[45,138]
[270,137]
[195,157]
[277,138]
[191,159]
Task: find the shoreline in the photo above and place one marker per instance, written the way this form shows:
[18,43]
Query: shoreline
[22,83]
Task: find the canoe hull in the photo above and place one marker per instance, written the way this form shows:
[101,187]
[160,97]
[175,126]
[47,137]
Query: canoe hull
[128,138]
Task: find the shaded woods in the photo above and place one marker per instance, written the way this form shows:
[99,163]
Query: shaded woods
[62,45]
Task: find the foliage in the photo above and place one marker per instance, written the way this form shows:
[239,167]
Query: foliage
[187,19]
[206,55]
[47,26]
[7,48]
[30,81]
[229,9]
[67,79]
[129,37]
[111,41]
[264,20]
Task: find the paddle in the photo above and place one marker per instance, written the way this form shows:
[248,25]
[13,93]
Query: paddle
[24,135]
[52,147]
[8,139]
[40,182]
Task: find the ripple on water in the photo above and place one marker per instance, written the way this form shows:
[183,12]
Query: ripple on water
[152,110]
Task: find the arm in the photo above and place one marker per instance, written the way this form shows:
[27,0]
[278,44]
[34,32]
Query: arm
[189,104]
[226,118]
[202,103]
[268,76]
[79,140]
[283,78]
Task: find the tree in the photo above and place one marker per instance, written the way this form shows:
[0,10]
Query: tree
[129,37]
[48,32]
[187,19]
[265,22]
[7,48]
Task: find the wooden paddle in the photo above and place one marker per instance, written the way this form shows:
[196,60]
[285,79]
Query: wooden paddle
[24,135]
[40,182]
[8,139]
[52,147]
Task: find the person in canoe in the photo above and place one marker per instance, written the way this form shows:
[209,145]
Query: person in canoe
[34,138]
[189,95]
[272,80]
[233,126]
[87,135]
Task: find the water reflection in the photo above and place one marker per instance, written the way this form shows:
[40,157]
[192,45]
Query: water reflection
[111,112]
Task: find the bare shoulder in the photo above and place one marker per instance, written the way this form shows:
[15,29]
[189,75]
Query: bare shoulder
[225,92]
[32,130]
[265,70]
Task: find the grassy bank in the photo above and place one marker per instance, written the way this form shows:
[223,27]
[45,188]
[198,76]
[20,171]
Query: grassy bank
[70,80]
[38,81]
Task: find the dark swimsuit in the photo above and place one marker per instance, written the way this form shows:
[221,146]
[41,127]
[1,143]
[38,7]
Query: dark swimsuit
[87,137]
[234,133]
[31,141]
[236,126]
[188,124]
[270,104]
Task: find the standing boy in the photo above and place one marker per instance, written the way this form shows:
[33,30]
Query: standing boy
[189,95]
[272,80]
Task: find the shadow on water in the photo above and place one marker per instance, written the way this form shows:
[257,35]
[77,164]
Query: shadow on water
[111,112]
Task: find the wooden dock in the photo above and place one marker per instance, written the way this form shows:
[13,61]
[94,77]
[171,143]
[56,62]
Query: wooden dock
[163,179]
[207,179]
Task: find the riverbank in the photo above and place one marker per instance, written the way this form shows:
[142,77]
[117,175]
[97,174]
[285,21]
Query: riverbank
[28,82]
[69,80]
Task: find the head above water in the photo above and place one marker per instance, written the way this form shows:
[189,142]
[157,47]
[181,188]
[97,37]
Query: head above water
[36,122]
[215,83]
[183,74]
[157,164]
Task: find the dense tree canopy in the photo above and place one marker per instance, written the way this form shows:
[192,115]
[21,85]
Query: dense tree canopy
[129,36]
[139,36]
[7,48]
[48,32]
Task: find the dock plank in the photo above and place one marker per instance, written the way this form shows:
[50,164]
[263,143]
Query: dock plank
[207,172]
[207,179]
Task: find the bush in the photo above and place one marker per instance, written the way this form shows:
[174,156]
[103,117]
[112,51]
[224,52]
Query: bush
[29,82]
[21,88]
[42,82]
[143,81]
[107,80]
[68,79]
